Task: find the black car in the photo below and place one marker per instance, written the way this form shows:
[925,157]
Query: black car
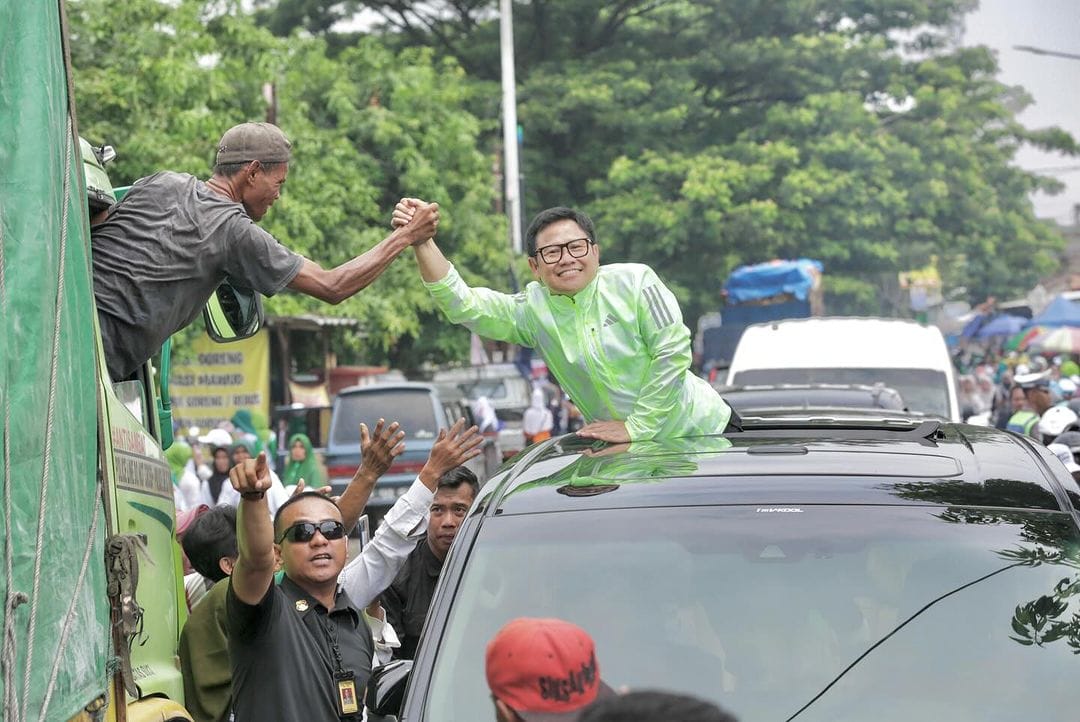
[828,571]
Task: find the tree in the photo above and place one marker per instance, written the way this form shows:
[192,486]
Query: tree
[708,134]
[162,81]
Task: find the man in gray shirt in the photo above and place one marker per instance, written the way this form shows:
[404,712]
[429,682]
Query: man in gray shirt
[173,239]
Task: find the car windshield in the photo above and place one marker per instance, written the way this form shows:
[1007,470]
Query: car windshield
[924,390]
[493,389]
[412,408]
[887,613]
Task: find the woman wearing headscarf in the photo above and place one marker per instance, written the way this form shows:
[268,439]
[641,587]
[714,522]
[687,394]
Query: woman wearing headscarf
[220,463]
[244,425]
[188,490]
[275,495]
[537,421]
[302,464]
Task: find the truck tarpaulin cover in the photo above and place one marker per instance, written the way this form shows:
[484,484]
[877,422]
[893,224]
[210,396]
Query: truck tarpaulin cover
[765,280]
[51,524]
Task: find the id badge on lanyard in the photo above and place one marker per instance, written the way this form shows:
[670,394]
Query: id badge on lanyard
[348,704]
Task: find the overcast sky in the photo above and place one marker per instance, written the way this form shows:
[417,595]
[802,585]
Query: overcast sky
[1053,82]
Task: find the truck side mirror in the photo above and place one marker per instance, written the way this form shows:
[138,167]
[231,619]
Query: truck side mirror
[386,688]
[233,313]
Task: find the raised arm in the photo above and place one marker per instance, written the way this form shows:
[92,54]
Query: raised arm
[254,570]
[337,284]
[378,563]
[433,264]
[377,453]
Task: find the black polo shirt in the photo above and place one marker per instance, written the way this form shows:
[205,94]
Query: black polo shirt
[280,652]
[408,598]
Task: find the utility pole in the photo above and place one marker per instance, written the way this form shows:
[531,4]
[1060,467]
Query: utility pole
[511,172]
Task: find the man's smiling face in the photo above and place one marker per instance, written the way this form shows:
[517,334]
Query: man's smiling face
[568,275]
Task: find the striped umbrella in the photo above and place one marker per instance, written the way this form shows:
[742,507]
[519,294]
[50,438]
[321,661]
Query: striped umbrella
[1020,341]
[1059,340]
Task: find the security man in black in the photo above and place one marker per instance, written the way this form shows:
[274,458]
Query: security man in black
[299,650]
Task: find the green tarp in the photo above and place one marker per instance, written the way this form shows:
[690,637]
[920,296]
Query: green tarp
[48,499]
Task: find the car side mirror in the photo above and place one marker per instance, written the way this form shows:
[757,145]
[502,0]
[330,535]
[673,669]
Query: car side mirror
[386,688]
[233,313]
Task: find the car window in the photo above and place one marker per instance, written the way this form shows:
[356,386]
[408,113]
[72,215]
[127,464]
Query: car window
[762,609]
[492,389]
[924,390]
[413,409]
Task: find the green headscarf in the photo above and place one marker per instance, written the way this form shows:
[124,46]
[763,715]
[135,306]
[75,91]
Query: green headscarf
[178,455]
[308,469]
[247,445]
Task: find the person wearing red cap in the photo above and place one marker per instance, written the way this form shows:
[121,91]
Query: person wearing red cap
[173,239]
[543,670]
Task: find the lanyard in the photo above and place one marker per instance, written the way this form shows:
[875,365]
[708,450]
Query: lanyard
[345,680]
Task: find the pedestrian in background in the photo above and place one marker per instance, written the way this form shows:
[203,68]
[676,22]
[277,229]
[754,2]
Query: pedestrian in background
[536,422]
[302,464]
[210,544]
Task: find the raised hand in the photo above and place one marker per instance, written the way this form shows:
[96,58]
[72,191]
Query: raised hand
[403,211]
[251,477]
[301,487]
[379,449]
[419,219]
[452,449]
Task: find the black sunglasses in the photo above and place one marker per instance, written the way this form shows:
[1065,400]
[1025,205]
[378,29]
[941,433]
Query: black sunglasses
[304,531]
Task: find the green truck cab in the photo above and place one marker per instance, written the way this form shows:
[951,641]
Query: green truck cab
[90,569]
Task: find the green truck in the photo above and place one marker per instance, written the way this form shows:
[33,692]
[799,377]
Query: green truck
[89,564]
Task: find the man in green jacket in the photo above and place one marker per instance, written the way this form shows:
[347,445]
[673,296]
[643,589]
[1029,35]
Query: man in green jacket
[611,335]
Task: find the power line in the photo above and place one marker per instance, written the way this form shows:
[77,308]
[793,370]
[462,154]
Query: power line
[1043,51]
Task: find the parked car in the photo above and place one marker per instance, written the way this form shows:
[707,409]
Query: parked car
[901,354]
[503,385]
[422,410]
[784,398]
[825,571]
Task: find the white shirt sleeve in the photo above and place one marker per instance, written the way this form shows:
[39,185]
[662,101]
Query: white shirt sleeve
[370,573]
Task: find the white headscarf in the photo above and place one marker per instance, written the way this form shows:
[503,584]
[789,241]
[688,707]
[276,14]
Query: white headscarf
[537,417]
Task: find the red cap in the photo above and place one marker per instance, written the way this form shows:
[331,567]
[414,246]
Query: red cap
[544,669]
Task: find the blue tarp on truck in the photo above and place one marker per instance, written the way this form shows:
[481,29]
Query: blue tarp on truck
[755,294]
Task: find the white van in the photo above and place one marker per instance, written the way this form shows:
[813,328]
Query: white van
[904,355]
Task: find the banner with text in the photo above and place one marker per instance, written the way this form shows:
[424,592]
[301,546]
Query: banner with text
[219,380]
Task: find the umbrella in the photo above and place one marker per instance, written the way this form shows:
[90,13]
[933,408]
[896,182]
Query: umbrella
[1020,341]
[1003,325]
[1059,340]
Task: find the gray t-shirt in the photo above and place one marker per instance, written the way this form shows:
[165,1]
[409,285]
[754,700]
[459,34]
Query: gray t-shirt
[163,251]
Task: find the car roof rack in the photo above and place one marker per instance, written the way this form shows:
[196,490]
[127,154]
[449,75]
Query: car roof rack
[845,427]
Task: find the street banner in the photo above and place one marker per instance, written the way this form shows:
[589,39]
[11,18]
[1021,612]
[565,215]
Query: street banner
[220,379]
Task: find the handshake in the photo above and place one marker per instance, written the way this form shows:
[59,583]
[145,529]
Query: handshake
[417,216]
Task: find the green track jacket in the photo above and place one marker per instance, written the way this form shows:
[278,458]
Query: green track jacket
[618,347]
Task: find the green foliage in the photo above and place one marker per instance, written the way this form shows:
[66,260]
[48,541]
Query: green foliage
[162,82]
[700,135]
[707,134]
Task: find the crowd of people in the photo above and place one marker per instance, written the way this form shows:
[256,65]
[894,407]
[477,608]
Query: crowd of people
[1031,394]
